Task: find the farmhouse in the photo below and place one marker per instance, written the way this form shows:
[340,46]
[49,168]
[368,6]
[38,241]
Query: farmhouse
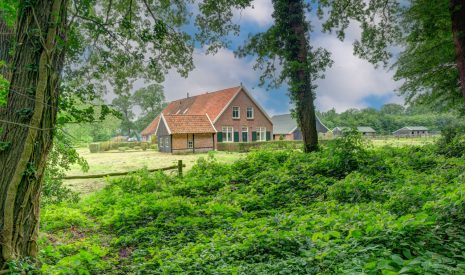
[412,131]
[198,123]
[364,130]
[285,127]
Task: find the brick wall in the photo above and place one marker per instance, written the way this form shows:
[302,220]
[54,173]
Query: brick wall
[202,143]
[243,101]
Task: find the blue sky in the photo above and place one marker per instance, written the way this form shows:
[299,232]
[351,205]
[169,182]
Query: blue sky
[350,83]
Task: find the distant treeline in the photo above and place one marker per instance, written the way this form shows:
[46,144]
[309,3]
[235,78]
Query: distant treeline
[391,117]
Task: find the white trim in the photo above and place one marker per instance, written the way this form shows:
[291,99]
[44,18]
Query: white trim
[238,112]
[295,128]
[258,105]
[232,133]
[329,130]
[214,128]
[227,105]
[242,133]
[158,124]
[166,125]
[242,88]
[246,112]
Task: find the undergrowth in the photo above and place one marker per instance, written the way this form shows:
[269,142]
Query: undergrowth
[345,209]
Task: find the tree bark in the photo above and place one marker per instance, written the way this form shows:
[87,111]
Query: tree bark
[457,11]
[301,82]
[28,122]
[6,34]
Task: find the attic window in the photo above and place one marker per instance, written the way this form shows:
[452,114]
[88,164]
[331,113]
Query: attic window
[185,111]
[178,111]
[235,112]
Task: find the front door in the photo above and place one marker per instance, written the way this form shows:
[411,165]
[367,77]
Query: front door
[245,134]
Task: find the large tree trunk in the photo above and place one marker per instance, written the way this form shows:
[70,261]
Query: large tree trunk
[28,122]
[457,11]
[6,34]
[301,83]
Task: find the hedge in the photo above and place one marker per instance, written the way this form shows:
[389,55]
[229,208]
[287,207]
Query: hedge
[247,146]
[109,145]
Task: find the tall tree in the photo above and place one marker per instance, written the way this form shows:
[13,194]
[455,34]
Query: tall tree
[28,121]
[100,44]
[457,12]
[124,104]
[151,100]
[286,42]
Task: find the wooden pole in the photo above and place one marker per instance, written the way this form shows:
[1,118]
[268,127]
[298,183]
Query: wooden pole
[180,168]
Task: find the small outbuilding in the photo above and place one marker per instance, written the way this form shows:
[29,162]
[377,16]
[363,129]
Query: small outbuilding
[285,127]
[412,131]
[364,130]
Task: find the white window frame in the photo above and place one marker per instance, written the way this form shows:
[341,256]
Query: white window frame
[238,112]
[190,144]
[247,113]
[261,133]
[167,140]
[246,131]
[228,130]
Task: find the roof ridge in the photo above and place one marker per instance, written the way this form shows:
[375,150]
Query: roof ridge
[206,93]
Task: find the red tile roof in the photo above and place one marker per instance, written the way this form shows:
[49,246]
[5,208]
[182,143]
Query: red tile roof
[152,127]
[188,124]
[211,103]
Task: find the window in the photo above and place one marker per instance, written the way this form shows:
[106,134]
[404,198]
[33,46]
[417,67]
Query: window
[249,112]
[161,142]
[167,140]
[245,134]
[236,112]
[190,144]
[227,134]
[261,134]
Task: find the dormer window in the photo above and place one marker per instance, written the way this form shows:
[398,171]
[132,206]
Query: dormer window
[235,112]
[249,112]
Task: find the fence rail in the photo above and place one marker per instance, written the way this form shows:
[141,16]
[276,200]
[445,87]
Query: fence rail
[178,167]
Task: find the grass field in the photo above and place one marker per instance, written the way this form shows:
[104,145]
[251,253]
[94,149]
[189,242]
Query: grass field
[391,141]
[101,163]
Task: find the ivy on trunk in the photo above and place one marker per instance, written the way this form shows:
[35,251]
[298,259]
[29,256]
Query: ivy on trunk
[28,121]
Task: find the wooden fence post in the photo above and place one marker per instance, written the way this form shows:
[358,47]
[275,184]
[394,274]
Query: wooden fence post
[180,168]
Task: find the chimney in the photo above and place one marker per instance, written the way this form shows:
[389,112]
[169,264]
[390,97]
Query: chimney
[187,95]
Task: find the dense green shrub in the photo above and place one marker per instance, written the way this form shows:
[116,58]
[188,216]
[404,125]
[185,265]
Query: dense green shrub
[94,147]
[347,208]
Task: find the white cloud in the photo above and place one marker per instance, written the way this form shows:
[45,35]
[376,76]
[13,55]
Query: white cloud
[259,13]
[351,79]
[212,72]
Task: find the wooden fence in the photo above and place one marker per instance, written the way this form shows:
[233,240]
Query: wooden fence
[179,167]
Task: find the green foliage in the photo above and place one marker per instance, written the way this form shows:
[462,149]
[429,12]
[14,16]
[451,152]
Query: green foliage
[347,208]
[423,31]
[390,118]
[60,159]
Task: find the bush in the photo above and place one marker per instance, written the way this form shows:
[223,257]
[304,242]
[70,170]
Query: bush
[123,149]
[144,146]
[347,208]
[154,147]
[94,147]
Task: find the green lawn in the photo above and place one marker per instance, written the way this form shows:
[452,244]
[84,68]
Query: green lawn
[392,141]
[101,163]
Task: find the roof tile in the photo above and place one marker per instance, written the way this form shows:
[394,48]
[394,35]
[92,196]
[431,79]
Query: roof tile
[187,124]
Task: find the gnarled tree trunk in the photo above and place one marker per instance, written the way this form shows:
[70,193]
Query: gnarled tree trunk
[457,11]
[301,84]
[28,122]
